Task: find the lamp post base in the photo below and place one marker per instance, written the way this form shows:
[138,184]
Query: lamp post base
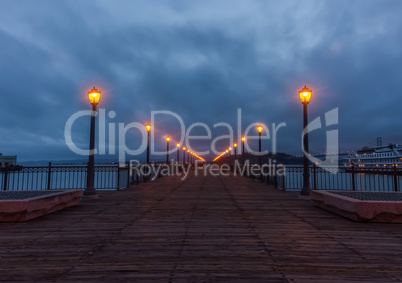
[305,193]
[90,193]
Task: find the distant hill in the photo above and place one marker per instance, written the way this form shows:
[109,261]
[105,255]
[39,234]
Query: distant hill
[280,158]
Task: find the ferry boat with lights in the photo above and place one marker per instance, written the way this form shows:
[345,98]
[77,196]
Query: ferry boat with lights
[381,156]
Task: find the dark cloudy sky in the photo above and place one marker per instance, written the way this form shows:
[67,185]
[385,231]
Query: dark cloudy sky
[202,60]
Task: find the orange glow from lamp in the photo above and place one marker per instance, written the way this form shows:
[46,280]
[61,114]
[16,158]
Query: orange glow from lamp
[148,127]
[94,96]
[305,95]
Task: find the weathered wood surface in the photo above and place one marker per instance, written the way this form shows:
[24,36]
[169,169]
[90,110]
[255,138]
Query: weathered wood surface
[205,229]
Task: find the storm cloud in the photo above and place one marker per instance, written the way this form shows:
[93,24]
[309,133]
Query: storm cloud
[202,60]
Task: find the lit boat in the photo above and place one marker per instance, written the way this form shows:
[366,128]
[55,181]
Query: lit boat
[379,156]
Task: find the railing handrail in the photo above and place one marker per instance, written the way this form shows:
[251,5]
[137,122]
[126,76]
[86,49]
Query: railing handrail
[67,176]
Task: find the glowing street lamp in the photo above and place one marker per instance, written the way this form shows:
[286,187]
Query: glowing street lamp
[178,147]
[243,139]
[148,128]
[259,129]
[184,155]
[167,149]
[94,97]
[188,155]
[235,148]
[305,96]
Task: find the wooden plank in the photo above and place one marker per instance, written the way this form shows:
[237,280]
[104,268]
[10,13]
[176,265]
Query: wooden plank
[202,229]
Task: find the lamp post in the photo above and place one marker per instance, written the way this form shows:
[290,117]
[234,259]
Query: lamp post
[235,148]
[243,139]
[230,155]
[227,156]
[148,128]
[94,97]
[167,149]
[188,155]
[259,129]
[305,96]
[184,155]
[178,149]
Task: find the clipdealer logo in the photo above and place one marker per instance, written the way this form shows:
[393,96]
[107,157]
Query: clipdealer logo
[332,141]
[119,146]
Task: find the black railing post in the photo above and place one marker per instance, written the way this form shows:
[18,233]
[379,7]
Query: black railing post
[118,176]
[128,173]
[5,179]
[137,174]
[395,178]
[314,176]
[283,177]
[353,177]
[49,175]
[275,177]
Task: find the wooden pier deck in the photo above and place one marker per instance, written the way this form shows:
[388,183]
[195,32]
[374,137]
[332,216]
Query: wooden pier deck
[205,229]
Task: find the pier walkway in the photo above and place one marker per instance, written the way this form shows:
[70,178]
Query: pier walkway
[205,229]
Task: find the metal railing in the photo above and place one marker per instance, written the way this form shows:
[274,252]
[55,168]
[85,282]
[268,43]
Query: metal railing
[107,177]
[336,178]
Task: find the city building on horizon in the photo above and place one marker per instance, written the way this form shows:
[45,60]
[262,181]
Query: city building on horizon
[7,160]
